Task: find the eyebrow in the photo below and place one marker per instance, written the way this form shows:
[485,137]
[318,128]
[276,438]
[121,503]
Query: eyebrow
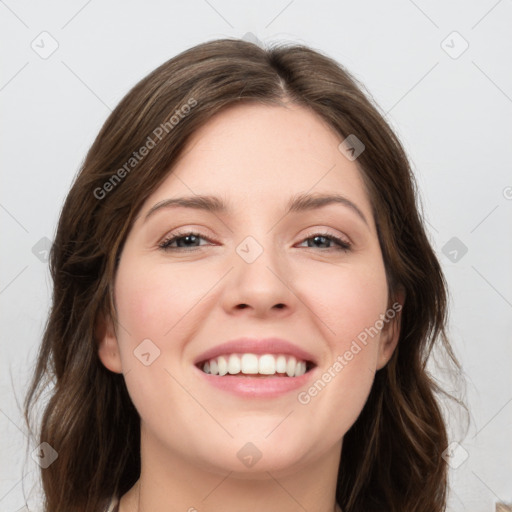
[298,203]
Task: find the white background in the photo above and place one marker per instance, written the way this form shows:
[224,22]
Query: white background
[452,114]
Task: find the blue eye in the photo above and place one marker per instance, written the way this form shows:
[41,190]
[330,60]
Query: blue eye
[190,241]
[322,237]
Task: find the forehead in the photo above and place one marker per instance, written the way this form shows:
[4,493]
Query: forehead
[263,154]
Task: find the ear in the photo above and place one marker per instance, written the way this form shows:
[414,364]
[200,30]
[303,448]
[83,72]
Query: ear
[108,347]
[390,332]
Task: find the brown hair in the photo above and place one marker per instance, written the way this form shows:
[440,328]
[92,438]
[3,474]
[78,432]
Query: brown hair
[392,456]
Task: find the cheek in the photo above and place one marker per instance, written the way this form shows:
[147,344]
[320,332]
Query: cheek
[154,301]
[348,303]
[346,300]
[152,304]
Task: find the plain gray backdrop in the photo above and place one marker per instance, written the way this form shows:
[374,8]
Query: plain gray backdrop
[441,71]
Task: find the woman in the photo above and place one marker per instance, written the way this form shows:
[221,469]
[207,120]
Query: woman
[244,301]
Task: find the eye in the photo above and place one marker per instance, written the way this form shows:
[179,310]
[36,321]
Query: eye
[190,241]
[185,241]
[323,238]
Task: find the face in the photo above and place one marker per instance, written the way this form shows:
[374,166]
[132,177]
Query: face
[300,289]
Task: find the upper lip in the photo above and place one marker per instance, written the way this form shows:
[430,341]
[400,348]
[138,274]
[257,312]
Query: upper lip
[256,346]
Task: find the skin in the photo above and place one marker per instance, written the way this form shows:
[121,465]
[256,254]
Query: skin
[255,158]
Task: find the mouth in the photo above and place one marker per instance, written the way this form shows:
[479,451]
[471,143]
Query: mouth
[256,368]
[256,365]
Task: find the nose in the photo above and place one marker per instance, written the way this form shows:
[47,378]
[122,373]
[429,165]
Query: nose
[261,287]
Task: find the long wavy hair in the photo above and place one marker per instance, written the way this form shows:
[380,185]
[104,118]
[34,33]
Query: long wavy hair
[392,458]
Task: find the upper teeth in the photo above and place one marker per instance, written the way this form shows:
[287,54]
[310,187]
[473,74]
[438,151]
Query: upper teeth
[266,364]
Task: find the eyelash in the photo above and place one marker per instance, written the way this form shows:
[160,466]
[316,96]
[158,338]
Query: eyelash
[165,244]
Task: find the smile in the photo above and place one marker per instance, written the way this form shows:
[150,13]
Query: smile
[256,368]
[279,365]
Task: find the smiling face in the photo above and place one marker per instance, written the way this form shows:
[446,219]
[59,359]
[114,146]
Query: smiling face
[312,275]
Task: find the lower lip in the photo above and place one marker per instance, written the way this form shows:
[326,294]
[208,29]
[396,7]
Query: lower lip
[257,387]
